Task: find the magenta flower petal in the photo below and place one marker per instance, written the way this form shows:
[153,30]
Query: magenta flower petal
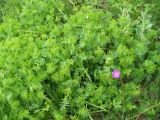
[116,74]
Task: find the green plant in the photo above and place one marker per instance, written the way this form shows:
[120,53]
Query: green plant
[57,59]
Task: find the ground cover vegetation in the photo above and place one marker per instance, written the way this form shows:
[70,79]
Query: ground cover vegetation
[58,58]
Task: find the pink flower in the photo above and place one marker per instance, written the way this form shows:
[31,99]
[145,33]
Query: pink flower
[116,74]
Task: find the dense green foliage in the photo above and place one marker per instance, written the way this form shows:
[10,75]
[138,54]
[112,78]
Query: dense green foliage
[57,58]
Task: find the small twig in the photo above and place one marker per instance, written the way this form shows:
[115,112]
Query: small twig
[137,117]
[97,106]
[27,31]
[59,9]
[88,113]
[72,2]
[88,76]
[97,111]
[90,117]
[144,111]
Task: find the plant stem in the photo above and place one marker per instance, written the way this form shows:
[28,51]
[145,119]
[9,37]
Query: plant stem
[144,111]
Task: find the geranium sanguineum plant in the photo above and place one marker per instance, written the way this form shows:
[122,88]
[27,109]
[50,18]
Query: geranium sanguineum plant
[116,74]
